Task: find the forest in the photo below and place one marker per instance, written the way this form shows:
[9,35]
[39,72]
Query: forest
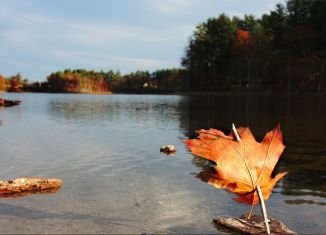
[283,50]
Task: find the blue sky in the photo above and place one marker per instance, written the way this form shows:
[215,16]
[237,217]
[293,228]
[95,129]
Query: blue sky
[38,37]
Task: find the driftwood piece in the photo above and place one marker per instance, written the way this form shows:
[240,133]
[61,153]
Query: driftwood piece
[9,103]
[25,186]
[254,225]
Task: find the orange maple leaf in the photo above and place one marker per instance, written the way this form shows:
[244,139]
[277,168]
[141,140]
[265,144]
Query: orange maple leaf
[241,165]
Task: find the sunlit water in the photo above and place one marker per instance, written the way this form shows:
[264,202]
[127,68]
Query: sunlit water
[106,150]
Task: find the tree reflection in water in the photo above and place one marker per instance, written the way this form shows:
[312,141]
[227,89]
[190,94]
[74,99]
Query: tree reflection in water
[302,122]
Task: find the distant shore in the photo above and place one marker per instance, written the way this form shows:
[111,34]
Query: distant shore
[188,93]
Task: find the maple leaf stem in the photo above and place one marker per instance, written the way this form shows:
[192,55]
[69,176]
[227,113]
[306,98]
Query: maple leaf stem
[263,209]
[250,211]
[235,132]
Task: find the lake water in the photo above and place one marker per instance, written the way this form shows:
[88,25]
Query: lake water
[106,150]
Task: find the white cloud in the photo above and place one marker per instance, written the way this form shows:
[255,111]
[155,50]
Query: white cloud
[16,36]
[104,33]
[35,18]
[102,61]
[92,32]
[21,27]
[20,17]
[3,10]
[171,6]
[89,33]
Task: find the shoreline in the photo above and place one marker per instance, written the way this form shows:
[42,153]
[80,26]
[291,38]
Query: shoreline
[189,93]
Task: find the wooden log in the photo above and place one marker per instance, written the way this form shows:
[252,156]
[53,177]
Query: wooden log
[254,225]
[9,103]
[25,186]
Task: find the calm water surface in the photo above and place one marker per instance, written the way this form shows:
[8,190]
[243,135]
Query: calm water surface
[106,149]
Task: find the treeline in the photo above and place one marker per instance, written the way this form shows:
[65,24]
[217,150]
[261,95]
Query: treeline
[89,81]
[85,81]
[14,83]
[282,50]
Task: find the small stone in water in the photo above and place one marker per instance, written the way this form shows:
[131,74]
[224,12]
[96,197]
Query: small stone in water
[168,149]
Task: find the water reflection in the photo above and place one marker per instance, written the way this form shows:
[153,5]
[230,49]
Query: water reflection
[27,193]
[302,121]
[302,201]
[116,108]
[202,163]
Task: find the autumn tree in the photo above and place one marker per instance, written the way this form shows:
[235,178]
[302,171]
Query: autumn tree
[2,83]
[15,83]
[209,49]
[82,81]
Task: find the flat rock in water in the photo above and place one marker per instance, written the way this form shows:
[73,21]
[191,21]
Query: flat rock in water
[254,225]
[24,186]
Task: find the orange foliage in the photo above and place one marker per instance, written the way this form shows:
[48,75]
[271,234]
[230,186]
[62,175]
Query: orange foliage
[2,83]
[242,38]
[241,165]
